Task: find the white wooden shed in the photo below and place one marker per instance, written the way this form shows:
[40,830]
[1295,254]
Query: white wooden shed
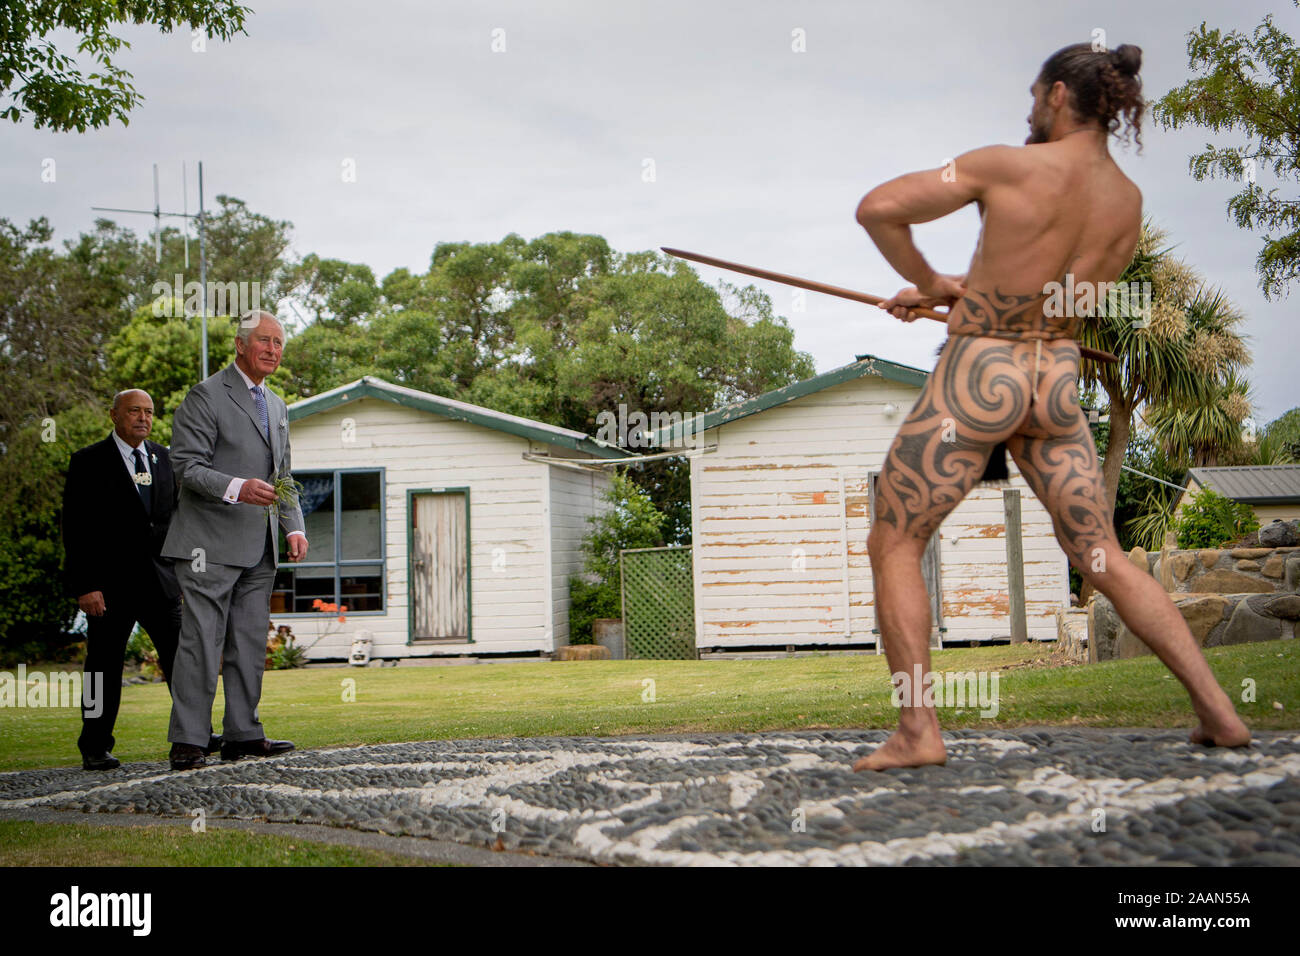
[435,524]
[781,502]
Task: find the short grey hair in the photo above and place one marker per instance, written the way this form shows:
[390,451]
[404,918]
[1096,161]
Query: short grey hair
[117,399]
[251,320]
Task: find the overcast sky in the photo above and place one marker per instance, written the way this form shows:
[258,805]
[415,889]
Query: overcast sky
[760,153]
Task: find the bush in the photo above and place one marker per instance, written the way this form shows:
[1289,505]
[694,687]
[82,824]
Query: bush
[1211,519]
[139,648]
[589,602]
[632,522]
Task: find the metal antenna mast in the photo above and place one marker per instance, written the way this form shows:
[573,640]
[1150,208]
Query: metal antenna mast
[185,216]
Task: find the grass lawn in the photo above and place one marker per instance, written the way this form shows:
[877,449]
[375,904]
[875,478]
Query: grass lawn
[605,698]
[77,844]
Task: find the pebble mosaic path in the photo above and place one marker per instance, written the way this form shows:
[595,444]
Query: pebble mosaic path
[1059,797]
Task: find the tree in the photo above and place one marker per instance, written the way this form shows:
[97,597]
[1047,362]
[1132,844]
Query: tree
[48,87]
[1168,356]
[1285,431]
[1251,84]
[57,310]
[1205,427]
[35,615]
[337,292]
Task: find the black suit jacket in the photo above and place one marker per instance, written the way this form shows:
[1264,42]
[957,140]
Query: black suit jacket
[108,539]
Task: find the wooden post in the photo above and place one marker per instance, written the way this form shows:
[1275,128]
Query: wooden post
[1015,566]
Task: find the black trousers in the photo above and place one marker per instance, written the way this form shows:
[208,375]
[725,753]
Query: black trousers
[106,638]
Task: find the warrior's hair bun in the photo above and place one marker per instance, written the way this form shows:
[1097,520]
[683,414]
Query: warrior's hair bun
[1128,59]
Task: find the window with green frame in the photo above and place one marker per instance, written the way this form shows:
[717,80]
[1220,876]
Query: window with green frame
[343,516]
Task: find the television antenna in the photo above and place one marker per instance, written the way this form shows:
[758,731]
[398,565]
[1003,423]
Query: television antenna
[185,216]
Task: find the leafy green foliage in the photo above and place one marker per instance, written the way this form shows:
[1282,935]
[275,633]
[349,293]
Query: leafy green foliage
[630,521]
[1210,519]
[48,86]
[35,616]
[1252,85]
[1285,432]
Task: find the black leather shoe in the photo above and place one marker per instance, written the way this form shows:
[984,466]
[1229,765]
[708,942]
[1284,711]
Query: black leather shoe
[234,749]
[214,744]
[100,761]
[187,757]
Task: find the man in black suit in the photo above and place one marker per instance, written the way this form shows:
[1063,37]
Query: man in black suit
[117,505]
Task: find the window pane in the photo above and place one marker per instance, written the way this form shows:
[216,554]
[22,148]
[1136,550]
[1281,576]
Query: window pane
[359,516]
[317,502]
[362,586]
[296,588]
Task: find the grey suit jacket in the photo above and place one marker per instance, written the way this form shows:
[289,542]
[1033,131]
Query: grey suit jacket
[216,436]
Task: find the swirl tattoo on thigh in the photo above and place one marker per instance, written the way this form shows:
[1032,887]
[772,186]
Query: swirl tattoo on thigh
[1058,459]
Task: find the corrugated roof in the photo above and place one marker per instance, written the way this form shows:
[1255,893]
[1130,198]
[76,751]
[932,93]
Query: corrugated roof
[370,387]
[1255,484]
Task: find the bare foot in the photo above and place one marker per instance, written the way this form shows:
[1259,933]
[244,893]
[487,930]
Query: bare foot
[902,750]
[1230,731]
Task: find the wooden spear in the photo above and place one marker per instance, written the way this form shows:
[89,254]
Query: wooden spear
[1094,354]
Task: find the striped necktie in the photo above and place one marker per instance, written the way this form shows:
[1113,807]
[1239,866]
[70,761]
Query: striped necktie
[260,399]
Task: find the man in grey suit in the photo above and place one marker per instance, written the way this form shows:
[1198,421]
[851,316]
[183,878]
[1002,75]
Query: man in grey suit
[230,442]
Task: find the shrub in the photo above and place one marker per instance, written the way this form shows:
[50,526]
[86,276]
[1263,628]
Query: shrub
[1211,519]
[632,522]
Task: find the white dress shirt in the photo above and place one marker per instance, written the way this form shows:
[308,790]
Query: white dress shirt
[128,456]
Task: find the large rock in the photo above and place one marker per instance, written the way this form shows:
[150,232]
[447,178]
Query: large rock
[1291,573]
[1284,605]
[1274,565]
[1223,581]
[1245,565]
[1180,562]
[1140,560]
[1279,534]
[1128,644]
[1202,614]
[1103,627]
[1247,626]
[1210,557]
[1249,552]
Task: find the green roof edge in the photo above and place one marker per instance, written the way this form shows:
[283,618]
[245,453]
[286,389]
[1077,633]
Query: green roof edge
[376,388]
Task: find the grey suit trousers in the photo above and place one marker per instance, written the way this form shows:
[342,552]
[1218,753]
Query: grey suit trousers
[225,614]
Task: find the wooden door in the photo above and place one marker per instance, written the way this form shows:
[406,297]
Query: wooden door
[439,588]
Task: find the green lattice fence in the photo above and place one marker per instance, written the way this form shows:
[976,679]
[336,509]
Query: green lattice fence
[658,603]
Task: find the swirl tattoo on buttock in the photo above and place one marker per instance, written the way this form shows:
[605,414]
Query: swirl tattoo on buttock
[977,396]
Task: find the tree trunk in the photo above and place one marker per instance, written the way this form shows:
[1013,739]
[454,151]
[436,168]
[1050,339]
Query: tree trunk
[1121,420]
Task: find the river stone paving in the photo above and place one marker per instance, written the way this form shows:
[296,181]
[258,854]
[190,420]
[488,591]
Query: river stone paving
[1046,797]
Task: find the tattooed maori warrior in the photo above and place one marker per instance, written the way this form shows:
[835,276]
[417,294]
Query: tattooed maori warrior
[1058,205]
